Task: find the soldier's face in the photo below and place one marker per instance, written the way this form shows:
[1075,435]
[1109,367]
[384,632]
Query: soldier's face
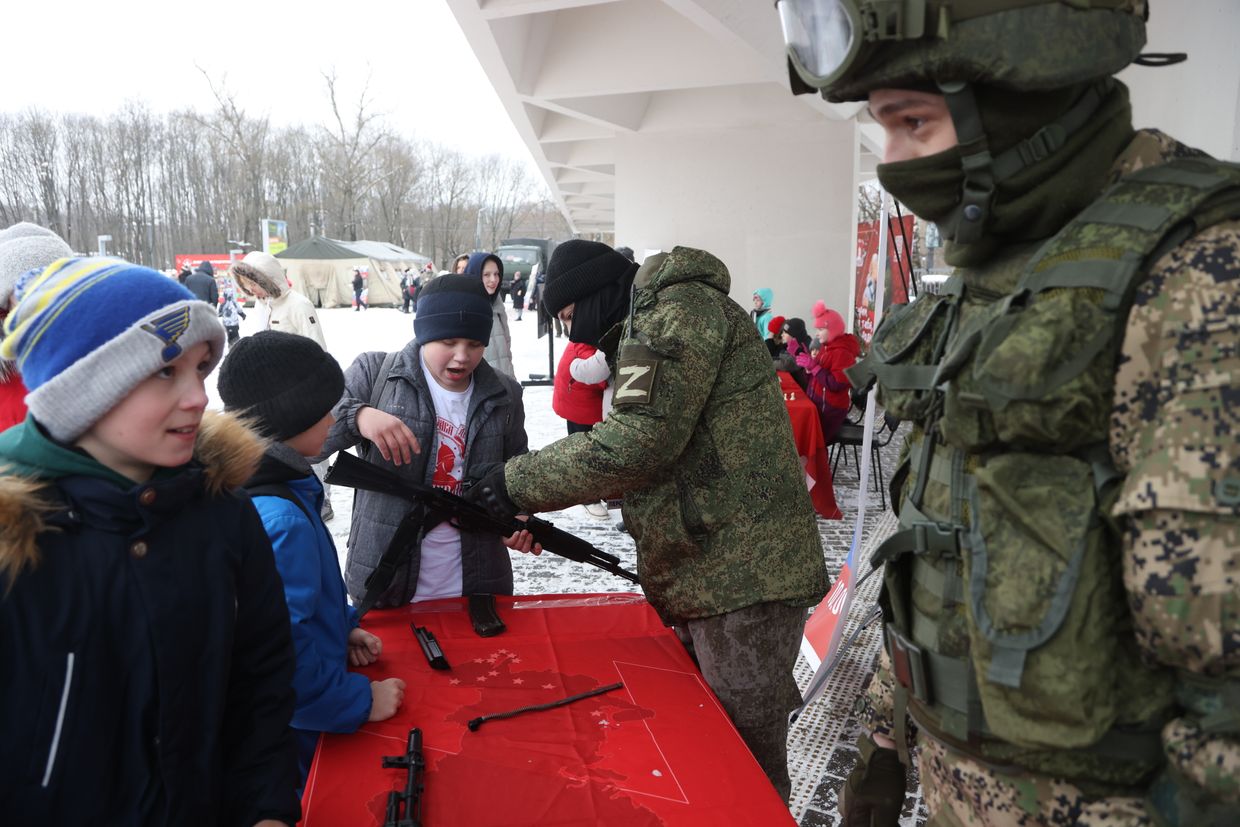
[917,124]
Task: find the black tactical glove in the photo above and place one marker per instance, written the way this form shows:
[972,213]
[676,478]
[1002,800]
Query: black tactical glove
[489,491]
[873,794]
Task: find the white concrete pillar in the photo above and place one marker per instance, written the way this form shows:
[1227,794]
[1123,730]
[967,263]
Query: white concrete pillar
[1198,101]
[774,203]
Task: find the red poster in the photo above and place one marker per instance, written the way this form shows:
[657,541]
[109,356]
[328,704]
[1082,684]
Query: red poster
[657,751]
[899,274]
[219,261]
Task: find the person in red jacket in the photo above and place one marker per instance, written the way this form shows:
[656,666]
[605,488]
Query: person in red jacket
[23,247]
[828,386]
[582,397]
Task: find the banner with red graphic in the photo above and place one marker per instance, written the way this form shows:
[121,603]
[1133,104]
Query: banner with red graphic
[899,274]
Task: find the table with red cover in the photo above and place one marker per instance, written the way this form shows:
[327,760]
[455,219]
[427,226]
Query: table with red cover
[811,447]
[659,751]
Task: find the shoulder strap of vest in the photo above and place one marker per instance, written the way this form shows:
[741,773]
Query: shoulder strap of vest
[1113,242]
[279,489]
[1109,247]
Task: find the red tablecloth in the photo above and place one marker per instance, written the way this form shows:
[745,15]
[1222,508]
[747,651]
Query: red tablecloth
[811,448]
[660,751]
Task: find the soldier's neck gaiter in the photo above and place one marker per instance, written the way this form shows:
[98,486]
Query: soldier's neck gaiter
[1039,199]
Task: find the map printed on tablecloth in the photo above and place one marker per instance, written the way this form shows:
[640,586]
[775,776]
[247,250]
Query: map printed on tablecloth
[559,766]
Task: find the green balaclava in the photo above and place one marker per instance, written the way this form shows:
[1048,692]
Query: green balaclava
[1034,202]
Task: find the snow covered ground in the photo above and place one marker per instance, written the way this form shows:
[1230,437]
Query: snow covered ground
[820,751]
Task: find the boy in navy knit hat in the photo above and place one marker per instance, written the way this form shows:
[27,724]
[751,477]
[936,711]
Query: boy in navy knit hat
[143,631]
[285,386]
[422,411]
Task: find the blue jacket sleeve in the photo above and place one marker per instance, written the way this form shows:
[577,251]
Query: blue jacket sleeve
[329,697]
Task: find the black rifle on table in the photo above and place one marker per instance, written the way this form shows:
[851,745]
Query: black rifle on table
[438,506]
[410,801]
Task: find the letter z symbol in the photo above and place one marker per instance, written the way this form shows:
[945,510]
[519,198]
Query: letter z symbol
[636,382]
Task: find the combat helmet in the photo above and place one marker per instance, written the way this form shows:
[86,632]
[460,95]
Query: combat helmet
[846,48]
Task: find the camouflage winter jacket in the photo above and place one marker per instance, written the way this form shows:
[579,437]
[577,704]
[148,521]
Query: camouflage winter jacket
[700,446]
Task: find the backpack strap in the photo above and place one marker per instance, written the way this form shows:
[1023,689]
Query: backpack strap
[279,489]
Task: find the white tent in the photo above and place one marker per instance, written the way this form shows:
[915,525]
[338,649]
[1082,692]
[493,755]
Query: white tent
[322,269]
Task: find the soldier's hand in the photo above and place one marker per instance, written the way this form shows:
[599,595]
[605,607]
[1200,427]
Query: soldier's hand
[392,437]
[873,794]
[491,492]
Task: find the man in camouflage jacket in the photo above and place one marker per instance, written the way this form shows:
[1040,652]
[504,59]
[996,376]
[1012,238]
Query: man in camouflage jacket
[700,447]
[1005,128]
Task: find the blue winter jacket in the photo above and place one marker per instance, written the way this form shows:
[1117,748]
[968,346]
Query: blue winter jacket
[329,697]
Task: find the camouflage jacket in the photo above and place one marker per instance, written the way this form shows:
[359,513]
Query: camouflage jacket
[700,446]
[1173,426]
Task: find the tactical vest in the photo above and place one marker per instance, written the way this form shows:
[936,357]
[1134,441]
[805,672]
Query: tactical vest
[1005,613]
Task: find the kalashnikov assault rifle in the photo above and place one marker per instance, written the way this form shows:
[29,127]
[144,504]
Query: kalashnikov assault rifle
[439,506]
[404,809]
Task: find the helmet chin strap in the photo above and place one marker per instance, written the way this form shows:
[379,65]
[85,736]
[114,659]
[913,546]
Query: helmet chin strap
[982,171]
[978,190]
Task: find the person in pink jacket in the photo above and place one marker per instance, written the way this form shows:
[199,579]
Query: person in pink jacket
[828,386]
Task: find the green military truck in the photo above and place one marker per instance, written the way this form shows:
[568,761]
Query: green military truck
[523,254]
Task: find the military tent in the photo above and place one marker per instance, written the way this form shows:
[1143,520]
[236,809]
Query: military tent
[322,269]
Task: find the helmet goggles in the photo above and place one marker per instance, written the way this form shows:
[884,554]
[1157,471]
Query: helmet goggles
[825,38]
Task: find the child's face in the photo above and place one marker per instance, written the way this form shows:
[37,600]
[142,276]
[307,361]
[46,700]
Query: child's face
[452,361]
[156,424]
[461,264]
[251,287]
[821,333]
[490,277]
[309,443]
[757,302]
[784,337]
[566,315]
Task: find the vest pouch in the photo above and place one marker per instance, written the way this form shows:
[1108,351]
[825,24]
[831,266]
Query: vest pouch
[1044,367]
[1044,602]
[902,355]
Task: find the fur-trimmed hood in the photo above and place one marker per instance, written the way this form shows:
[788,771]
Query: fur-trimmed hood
[227,452]
[274,288]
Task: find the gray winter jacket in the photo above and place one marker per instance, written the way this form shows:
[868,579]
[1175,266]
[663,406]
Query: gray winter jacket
[499,350]
[496,432]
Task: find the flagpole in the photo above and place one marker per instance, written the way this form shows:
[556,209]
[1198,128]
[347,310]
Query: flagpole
[831,615]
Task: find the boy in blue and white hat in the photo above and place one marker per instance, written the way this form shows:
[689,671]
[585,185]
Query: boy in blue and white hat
[143,631]
[423,412]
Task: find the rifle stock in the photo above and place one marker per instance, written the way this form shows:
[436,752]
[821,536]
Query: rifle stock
[353,472]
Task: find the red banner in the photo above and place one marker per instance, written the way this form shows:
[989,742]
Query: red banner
[658,751]
[899,273]
[220,261]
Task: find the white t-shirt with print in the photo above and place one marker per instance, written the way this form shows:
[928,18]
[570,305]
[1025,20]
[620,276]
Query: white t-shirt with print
[439,574]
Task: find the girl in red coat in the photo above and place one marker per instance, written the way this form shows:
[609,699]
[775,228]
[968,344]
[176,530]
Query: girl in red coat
[828,386]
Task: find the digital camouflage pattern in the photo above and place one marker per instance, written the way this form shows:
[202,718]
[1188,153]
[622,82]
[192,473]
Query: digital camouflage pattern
[1175,433]
[1171,429]
[700,446]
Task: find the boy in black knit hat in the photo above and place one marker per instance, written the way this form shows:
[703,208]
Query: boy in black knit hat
[286,385]
[424,412]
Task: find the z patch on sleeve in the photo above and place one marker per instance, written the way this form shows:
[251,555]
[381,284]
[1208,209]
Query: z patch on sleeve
[637,371]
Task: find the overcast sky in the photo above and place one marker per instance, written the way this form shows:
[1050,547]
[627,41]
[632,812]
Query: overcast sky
[93,56]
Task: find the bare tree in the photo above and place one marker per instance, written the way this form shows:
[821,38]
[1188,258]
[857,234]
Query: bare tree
[346,153]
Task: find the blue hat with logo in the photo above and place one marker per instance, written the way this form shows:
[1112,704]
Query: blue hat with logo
[87,331]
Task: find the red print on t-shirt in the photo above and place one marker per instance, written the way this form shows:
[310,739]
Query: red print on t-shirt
[450,462]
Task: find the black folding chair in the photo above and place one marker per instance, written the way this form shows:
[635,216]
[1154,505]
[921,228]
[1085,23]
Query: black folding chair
[851,435]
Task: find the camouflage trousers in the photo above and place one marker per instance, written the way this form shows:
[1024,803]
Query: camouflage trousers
[747,657]
[961,792]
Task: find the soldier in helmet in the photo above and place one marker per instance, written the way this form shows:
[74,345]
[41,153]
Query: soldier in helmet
[1061,605]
